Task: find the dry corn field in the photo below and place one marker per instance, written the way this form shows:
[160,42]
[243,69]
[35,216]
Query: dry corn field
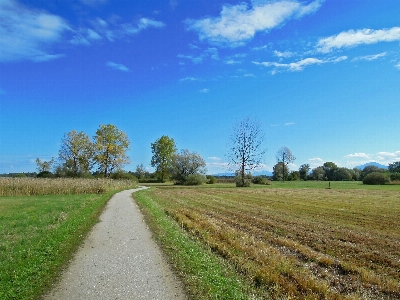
[60,186]
[298,243]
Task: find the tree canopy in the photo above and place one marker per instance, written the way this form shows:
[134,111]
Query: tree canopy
[284,156]
[110,146]
[163,150]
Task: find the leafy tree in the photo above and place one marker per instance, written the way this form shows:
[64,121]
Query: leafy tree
[318,173]
[293,176]
[163,150]
[341,174]
[355,174]
[76,154]
[303,170]
[285,156]
[280,171]
[44,166]
[245,151]
[370,169]
[376,178]
[394,167]
[188,168]
[330,168]
[110,145]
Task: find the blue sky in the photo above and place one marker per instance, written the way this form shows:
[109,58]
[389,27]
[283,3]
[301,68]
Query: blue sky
[322,77]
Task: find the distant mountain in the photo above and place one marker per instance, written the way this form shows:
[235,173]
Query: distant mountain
[372,164]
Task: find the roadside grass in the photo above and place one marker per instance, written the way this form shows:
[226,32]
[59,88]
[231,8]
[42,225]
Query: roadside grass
[204,274]
[39,234]
[298,242]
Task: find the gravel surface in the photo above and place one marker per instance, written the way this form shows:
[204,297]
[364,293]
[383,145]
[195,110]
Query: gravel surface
[119,260]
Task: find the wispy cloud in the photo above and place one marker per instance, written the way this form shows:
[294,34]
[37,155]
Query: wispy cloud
[299,65]
[354,38]
[204,91]
[25,34]
[285,54]
[143,24]
[209,53]
[237,24]
[116,66]
[188,79]
[289,123]
[370,57]
[315,162]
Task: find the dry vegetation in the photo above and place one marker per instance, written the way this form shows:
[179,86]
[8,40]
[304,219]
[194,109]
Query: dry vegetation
[298,243]
[61,186]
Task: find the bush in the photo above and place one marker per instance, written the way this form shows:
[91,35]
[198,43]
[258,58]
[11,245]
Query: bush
[45,174]
[123,175]
[259,180]
[211,179]
[239,182]
[195,179]
[376,178]
[395,176]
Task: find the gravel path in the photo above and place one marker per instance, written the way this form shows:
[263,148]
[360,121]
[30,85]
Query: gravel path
[118,260]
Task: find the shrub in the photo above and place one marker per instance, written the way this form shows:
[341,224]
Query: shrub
[259,180]
[123,175]
[239,182]
[395,176]
[195,179]
[45,174]
[211,179]
[376,178]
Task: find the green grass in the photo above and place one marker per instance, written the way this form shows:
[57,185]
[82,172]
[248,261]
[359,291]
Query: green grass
[204,274]
[38,235]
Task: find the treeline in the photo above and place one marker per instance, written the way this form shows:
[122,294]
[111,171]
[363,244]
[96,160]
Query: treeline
[329,171]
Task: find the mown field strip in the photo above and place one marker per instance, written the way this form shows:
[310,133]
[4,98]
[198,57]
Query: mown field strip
[302,243]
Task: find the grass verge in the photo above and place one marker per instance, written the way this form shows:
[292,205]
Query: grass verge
[205,275]
[38,235]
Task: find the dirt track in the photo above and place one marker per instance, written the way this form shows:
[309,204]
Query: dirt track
[118,260]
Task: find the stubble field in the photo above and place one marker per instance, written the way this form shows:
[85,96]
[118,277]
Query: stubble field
[296,243]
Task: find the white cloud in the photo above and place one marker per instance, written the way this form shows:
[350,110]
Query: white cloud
[383,158]
[285,54]
[85,37]
[301,64]
[25,34]
[289,123]
[354,38]
[398,66]
[188,79]
[116,66]
[370,57]
[358,155]
[205,90]
[315,162]
[237,24]
[144,23]
[233,62]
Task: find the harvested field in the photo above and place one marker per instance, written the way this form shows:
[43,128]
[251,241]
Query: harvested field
[298,243]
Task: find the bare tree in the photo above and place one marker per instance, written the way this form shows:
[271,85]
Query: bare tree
[246,150]
[285,157]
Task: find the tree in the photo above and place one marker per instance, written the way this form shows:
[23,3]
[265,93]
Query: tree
[76,153]
[44,166]
[370,169]
[303,170]
[245,151]
[285,156]
[341,174]
[163,150]
[318,173]
[188,167]
[394,167]
[330,168]
[140,172]
[280,171]
[110,145]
